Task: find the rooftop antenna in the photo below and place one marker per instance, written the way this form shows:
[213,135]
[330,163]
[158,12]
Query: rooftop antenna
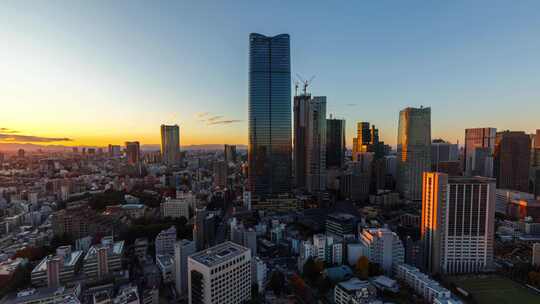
[296,85]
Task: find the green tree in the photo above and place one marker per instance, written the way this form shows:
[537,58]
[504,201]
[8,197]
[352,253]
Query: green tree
[375,269]
[323,285]
[277,282]
[362,267]
[311,270]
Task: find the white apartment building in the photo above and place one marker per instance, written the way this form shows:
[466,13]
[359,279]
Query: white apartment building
[103,259]
[165,241]
[259,273]
[457,230]
[383,247]
[175,208]
[220,274]
[324,248]
[53,271]
[422,284]
[354,291]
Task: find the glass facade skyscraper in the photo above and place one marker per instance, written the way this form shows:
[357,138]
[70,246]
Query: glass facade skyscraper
[335,143]
[269,151]
[170,144]
[413,151]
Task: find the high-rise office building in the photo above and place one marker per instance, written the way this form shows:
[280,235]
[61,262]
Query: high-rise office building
[220,274]
[221,173]
[133,152]
[301,108]
[230,153]
[367,140]
[478,153]
[310,142]
[363,133]
[443,152]
[362,139]
[413,150]
[204,229]
[535,163]
[170,144]
[114,151]
[457,229]
[335,143]
[269,150]
[512,160]
[182,249]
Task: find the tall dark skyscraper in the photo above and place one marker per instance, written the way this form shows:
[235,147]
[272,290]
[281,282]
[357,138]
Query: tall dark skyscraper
[269,151]
[335,143]
[230,153]
[310,142]
[512,160]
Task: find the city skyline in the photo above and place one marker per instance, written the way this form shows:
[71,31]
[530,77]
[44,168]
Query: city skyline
[169,73]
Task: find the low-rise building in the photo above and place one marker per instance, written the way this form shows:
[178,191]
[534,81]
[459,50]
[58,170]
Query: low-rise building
[8,268]
[165,241]
[45,295]
[103,259]
[175,208]
[220,274]
[340,224]
[383,247]
[422,284]
[165,263]
[354,291]
[53,271]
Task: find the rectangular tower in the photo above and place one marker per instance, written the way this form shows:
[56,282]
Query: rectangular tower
[479,148]
[269,150]
[335,143]
[512,160]
[413,151]
[170,144]
[220,274]
[457,229]
[310,142]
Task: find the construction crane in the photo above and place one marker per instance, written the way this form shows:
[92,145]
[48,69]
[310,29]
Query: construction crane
[305,83]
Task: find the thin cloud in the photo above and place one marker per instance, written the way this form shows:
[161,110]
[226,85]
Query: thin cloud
[8,131]
[351,104]
[6,137]
[223,122]
[202,114]
[214,118]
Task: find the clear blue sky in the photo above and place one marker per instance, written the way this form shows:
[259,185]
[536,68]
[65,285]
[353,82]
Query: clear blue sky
[106,71]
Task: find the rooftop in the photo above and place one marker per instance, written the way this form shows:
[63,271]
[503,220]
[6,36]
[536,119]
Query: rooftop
[470,180]
[354,284]
[342,216]
[33,294]
[69,261]
[218,254]
[115,248]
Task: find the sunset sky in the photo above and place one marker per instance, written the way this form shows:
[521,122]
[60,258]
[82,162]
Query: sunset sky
[100,72]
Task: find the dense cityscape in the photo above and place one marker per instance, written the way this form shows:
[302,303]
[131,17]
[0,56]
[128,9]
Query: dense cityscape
[298,215]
